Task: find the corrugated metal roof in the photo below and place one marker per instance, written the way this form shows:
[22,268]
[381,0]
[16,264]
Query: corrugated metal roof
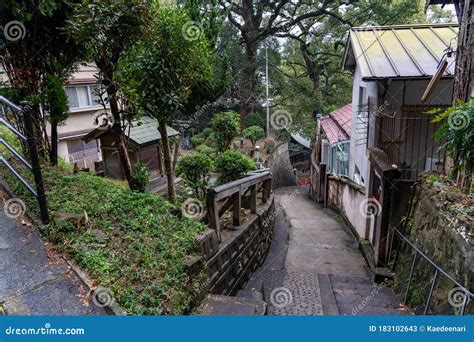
[337,124]
[400,51]
[301,140]
[145,130]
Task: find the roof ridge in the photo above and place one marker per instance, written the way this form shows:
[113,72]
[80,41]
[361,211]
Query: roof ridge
[401,26]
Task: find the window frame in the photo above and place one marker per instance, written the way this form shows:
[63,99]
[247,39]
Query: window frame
[90,87]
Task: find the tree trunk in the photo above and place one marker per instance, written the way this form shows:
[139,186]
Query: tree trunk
[111,89]
[167,159]
[464,67]
[248,83]
[53,156]
[176,150]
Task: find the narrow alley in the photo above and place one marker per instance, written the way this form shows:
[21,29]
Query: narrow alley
[314,266]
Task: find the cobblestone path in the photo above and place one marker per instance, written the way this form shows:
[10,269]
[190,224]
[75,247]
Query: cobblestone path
[315,267]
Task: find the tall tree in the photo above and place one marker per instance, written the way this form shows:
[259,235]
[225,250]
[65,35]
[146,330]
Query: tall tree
[162,70]
[108,30]
[258,20]
[56,103]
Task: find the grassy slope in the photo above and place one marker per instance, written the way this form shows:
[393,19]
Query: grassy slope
[131,244]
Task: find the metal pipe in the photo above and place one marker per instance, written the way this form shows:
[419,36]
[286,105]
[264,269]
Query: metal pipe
[18,176]
[409,278]
[15,153]
[11,104]
[11,128]
[433,284]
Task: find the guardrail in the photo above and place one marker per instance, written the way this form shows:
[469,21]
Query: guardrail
[34,166]
[468,296]
[231,196]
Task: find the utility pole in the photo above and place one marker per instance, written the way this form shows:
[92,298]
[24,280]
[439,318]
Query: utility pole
[266,84]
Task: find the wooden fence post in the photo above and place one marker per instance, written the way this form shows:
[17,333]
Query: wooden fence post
[253,199]
[236,204]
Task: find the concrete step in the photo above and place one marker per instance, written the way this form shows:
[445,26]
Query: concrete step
[337,280]
[217,305]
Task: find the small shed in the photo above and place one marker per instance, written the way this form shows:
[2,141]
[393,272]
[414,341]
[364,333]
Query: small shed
[142,139]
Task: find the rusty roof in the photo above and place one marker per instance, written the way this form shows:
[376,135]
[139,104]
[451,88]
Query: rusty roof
[400,51]
[337,124]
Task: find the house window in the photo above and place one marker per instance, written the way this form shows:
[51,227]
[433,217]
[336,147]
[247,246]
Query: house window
[338,159]
[362,104]
[83,96]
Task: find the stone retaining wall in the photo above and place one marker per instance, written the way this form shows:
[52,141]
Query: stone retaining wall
[281,168]
[231,263]
[434,234]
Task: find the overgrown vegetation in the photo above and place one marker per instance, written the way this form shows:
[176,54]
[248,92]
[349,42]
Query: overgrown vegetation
[458,131]
[130,242]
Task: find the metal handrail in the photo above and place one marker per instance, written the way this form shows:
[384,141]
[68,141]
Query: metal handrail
[9,103]
[18,176]
[30,140]
[12,129]
[15,153]
[467,294]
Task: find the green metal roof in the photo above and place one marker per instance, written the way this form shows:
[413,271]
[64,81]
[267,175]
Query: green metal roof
[145,130]
[141,131]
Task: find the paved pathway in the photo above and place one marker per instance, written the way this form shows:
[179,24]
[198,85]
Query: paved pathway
[315,267]
[33,280]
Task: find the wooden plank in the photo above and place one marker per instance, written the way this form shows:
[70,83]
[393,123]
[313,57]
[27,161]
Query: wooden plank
[213,214]
[236,205]
[267,188]
[253,199]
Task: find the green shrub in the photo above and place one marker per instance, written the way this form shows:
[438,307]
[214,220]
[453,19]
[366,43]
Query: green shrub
[226,127]
[232,165]
[204,149]
[140,177]
[206,132]
[194,169]
[211,140]
[197,140]
[254,133]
